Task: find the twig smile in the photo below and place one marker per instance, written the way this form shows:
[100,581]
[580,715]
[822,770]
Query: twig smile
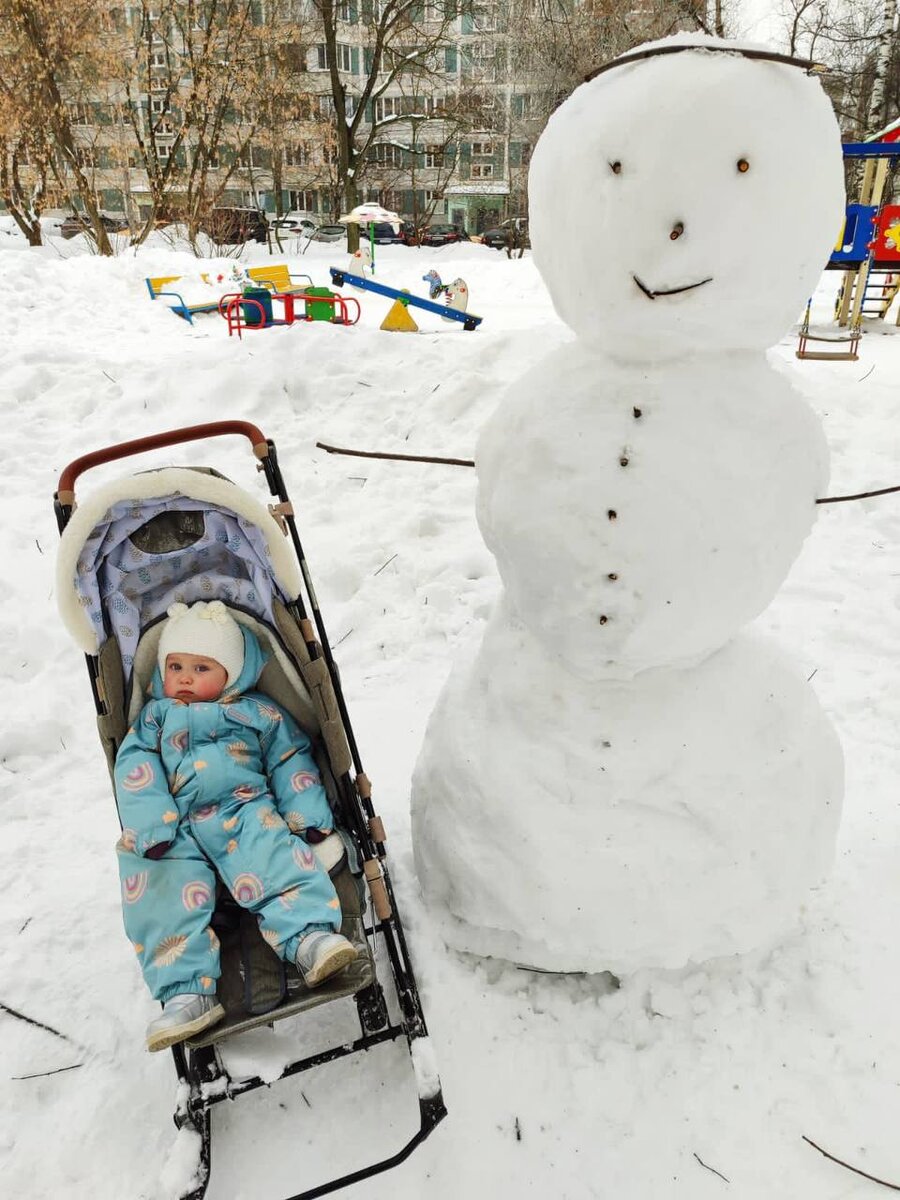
[651,294]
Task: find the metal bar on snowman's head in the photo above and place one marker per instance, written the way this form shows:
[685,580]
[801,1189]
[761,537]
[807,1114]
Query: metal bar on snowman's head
[806,64]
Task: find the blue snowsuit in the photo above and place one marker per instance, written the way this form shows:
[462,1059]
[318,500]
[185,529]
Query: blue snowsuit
[231,784]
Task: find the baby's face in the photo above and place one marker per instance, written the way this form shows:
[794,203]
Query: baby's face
[192,677]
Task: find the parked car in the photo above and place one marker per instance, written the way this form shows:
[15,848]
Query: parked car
[409,234]
[77,223]
[384,234]
[443,235]
[232,226]
[292,226]
[330,233]
[512,234]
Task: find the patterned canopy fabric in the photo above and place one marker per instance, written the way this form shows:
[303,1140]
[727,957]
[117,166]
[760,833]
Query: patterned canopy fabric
[147,554]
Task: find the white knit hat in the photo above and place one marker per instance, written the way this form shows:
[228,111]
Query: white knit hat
[208,630]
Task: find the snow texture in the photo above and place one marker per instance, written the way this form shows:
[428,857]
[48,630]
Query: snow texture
[614,783]
[558,1087]
[678,127]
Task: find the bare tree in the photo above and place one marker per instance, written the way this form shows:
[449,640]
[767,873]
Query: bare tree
[885,54]
[60,52]
[25,150]
[402,45]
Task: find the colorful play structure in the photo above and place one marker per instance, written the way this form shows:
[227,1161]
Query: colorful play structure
[246,298]
[867,251]
[252,306]
[402,301]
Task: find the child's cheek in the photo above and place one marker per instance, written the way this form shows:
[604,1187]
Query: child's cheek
[208,689]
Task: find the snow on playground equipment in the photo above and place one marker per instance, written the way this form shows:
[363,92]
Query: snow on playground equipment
[867,251]
[158,286]
[252,308]
[204,291]
[467,320]
[173,515]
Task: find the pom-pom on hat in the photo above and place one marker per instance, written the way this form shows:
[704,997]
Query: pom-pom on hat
[205,629]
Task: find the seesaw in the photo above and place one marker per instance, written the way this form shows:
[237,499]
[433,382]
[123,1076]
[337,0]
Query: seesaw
[339,277]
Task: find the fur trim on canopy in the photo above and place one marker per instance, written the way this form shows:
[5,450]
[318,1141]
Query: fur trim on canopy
[167,482]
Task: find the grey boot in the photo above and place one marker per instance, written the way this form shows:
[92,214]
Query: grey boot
[183,1016]
[321,955]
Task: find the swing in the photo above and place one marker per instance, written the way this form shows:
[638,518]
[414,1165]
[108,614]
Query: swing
[850,341]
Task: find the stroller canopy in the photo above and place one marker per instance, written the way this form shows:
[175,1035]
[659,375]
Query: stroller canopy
[179,534]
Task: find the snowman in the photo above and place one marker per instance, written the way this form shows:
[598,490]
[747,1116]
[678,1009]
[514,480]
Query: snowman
[623,775]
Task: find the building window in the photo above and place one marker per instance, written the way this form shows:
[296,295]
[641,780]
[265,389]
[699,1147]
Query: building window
[483,18]
[482,170]
[80,114]
[326,106]
[523,106]
[303,201]
[297,155]
[388,106]
[163,151]
[389,199]
[158,58]
[342,8]
[434,156]
[253,156]
[484,59]
[482,150]
[158,105]
[344,57]
[386,154]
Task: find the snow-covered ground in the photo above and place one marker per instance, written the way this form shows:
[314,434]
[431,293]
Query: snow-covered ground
[678,1085]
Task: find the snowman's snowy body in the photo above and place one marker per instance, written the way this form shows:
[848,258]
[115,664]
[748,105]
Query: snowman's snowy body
[621,778]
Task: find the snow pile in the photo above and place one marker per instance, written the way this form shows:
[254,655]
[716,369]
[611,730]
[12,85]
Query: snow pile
[645,494]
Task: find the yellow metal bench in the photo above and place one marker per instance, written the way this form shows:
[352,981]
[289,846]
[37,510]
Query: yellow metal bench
[277,278]
[156,285]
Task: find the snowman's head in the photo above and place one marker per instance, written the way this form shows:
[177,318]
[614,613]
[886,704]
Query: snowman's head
[686,202]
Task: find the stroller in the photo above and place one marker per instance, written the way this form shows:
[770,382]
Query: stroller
[188,533]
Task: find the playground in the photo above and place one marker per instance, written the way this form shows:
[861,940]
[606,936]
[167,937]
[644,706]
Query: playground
[752,1054]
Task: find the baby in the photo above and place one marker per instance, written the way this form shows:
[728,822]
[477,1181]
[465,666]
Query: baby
[216,779]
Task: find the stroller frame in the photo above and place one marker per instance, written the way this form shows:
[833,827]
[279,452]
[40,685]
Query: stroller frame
[201,1073]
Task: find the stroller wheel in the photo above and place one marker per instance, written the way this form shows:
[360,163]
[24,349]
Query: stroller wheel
[373,1013]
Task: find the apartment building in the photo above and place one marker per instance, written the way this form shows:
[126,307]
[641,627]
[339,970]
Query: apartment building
[446,133]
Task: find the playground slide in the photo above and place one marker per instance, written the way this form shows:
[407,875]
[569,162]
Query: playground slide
[339,277]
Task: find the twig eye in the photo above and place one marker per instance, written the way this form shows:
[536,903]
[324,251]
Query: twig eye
[743,166]
[616,167]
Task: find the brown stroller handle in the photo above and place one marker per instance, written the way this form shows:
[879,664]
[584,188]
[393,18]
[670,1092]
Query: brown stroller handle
[190,433]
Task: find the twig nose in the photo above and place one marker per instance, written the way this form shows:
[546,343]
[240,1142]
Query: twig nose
[677,231]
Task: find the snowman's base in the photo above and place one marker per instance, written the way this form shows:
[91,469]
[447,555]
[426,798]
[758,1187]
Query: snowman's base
[575,826]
